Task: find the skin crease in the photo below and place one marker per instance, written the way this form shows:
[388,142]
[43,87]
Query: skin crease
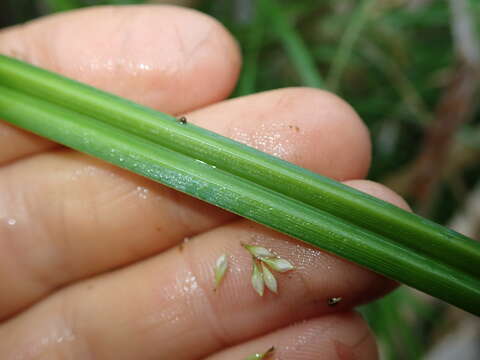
[94,265]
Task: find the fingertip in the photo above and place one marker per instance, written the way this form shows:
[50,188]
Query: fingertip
[336,125]
[352,337]
[337,336]
[309,127]
[171,58]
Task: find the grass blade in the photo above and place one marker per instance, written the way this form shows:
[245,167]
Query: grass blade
[252,49]
[358,21]
[294,45]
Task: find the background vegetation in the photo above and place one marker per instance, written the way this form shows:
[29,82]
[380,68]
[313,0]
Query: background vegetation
[411,69]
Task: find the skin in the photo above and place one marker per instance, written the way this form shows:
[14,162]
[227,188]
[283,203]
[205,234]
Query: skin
[93,263]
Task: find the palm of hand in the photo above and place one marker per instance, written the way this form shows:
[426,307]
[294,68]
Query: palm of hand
[93,263]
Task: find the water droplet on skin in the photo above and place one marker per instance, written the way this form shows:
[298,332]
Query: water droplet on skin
[142,192]
[270,138]
[35,346]
[190,284]
[11,222]
[88,170]
[144,67]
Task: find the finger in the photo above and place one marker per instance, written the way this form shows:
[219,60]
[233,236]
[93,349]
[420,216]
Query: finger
[16,143]
[169,58]
[309,127]
[167,305]
[74,216]
[332,337]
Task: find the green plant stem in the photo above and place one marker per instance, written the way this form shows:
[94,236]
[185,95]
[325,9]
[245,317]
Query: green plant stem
[238,195]
[157,146]
[317,191]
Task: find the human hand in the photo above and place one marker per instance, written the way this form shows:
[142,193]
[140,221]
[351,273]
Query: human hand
[93,263]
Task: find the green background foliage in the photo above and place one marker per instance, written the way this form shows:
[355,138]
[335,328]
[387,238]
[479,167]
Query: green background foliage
[393,61]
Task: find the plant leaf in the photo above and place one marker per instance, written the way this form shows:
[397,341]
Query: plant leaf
[257,280]
[278,264]
[269,279]
[221,266]
[258,252]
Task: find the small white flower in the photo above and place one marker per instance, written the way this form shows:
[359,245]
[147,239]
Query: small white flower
[269,279]
[257,280]
[278,264]
[221,266]
[258,251]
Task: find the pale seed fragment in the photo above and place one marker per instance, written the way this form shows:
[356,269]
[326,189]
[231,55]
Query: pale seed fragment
[269,279]
[258,252]
[257,280]
[221,266]
[278,264]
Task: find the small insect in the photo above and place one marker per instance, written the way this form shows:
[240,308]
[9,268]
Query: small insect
[334,301]
[259,356]
[182,120]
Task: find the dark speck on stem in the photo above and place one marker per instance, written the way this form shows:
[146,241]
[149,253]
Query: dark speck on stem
[182,120]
